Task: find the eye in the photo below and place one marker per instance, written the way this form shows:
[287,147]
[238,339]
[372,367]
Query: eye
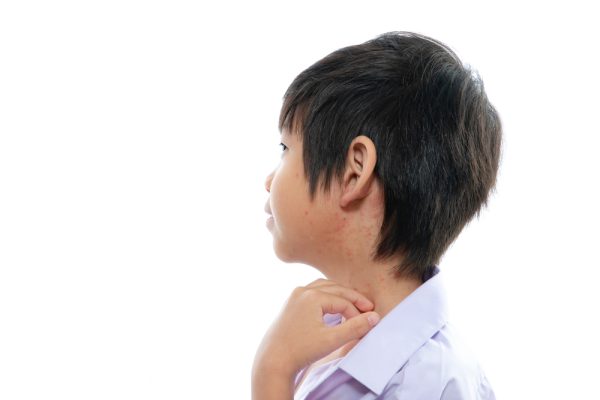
[283,146]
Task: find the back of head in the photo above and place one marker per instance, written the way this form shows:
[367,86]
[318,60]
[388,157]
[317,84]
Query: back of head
[436,134]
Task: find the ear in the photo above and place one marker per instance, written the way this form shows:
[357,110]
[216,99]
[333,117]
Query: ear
[360,170]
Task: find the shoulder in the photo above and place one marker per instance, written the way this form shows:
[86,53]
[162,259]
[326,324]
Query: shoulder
[443,368]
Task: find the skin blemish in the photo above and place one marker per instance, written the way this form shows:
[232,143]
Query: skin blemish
[340,223]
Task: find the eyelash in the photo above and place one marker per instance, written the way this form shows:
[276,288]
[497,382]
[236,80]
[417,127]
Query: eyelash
[284,147]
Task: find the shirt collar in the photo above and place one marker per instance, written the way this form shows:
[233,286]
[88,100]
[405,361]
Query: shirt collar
[400,333]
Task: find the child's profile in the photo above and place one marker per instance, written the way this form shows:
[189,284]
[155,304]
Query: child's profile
[389,148]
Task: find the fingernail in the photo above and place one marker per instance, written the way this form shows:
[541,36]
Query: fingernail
[373,319]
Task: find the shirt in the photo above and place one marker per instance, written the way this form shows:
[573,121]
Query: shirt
[413,353]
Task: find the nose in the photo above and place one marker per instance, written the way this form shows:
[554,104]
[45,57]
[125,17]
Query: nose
[268,181]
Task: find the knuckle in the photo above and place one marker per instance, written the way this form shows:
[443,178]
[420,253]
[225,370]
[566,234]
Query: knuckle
[330,307]
[309,294]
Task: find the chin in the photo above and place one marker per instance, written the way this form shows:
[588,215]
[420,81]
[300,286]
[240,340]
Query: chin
[283,252]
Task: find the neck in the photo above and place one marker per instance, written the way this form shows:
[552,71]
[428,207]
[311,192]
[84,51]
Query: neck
[375,281]
[347,259]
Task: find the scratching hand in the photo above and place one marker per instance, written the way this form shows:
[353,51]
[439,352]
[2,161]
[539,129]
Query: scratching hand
[299,337]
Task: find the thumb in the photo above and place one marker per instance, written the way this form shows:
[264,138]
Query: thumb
[354,328]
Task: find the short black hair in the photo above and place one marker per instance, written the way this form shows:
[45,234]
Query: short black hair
[437,137]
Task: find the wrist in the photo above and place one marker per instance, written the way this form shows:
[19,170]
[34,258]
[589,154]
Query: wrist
[274,367]
[271,382]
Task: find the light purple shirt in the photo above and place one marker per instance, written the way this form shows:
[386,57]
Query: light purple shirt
[413,353]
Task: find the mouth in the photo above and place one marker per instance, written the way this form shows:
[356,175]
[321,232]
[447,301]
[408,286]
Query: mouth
[268,209]
[269,222]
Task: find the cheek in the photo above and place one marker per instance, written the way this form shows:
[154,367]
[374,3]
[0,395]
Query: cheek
[334,228]
[291,207]
[338,223]
[324,220]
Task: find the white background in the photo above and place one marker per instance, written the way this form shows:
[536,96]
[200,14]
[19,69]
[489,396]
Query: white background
[135,138]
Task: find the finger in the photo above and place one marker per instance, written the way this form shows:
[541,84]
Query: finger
[320,282]
[352,329]
[332,304]
[358,299]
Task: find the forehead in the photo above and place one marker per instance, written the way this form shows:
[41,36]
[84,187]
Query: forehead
[287,135]
[291,132]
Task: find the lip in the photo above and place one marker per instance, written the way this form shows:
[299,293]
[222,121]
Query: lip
[268,209]
[269,221]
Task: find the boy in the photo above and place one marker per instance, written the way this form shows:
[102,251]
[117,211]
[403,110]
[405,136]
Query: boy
[389,148]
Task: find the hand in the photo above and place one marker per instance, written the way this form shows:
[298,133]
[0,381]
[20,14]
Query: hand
[299,337]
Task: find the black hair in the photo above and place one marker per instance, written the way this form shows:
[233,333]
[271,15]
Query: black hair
[437,137]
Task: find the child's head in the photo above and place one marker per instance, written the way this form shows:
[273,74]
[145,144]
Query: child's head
[403,110]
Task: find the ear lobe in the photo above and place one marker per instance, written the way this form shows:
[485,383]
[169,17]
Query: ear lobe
[359,173]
